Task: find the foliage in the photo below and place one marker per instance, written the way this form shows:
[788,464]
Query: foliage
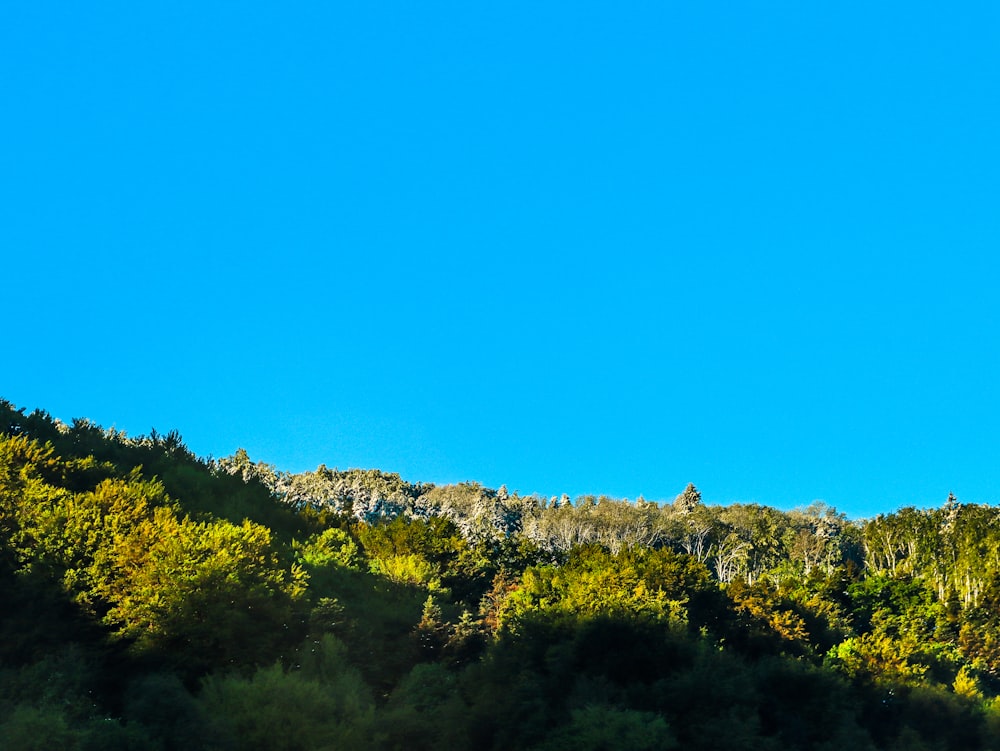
[646,583]
[154,599]
[331,547]
[600,728]
[325,704]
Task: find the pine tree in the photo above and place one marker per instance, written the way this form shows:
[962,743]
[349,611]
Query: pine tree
[688,500]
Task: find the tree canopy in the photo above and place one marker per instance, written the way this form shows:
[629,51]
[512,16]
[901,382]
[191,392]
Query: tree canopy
[155,599]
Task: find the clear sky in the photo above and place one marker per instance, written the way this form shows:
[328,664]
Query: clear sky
[570,247]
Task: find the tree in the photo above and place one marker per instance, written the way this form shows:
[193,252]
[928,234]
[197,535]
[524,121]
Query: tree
[603,728]
[688,500]
[323,705]
[206,594]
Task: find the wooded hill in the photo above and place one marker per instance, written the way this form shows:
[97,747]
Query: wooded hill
[153,599]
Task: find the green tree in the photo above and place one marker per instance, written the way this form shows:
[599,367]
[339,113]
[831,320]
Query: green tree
[326,705]
[209,593]
[601,728]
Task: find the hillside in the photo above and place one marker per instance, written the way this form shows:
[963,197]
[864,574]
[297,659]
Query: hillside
[156,599]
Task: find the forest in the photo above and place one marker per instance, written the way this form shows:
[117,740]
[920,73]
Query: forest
[154,599]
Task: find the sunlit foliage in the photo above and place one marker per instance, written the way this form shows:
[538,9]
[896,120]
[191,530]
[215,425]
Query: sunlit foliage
[154,599]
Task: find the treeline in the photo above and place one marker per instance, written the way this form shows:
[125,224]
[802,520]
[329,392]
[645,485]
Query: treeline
[153,599]
[739,541]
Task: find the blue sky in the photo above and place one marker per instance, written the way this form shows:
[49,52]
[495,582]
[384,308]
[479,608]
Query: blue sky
[569,247]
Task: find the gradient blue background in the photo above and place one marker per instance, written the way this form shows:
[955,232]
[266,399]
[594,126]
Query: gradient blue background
[570,247]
